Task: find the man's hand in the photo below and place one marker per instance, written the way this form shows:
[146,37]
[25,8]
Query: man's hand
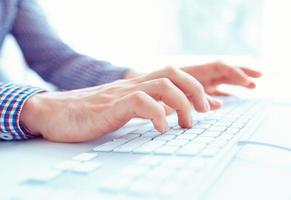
[213,74]
[87,114]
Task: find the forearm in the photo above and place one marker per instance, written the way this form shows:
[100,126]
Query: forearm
[52,59]
[12,99]
[81,72]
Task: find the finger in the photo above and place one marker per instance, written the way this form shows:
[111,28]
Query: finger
[167,108]
[250,72]
[236,76]
[185,82]
[164,90]
[214,103]
[220,93]
[140,104]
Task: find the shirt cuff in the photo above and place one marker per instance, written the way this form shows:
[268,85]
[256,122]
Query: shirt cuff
[13,97]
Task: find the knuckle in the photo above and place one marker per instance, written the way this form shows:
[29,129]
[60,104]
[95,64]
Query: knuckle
[164,83]
[199,87]
[219,63]
[170,70]
[114,89]
[138,98]
[105,97]
[102,107]
[160,111]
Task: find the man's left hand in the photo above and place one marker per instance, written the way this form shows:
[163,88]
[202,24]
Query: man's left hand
[212,75]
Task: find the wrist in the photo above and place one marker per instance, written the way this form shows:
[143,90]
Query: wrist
[32,113]
[131,74]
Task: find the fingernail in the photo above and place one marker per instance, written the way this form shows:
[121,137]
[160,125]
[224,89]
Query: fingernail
[216,104]
[252,85]
[217,101]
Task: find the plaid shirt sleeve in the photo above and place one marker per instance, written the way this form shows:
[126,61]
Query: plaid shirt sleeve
[12,98]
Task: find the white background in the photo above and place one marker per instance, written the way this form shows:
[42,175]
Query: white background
[107,30]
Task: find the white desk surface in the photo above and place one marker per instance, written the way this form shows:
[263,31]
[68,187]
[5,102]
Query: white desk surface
[260,172]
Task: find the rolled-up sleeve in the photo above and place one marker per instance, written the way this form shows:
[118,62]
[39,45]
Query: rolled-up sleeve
[12,99]
[51,58]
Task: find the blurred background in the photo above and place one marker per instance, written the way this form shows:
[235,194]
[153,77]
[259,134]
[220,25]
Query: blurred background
[149,34]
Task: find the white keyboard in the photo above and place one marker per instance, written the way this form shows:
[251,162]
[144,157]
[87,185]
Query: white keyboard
[144,164]
[210,133]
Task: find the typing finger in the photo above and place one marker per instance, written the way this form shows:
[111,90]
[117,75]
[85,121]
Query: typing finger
[140,104]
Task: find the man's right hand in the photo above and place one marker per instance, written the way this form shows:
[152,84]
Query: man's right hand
[86,114]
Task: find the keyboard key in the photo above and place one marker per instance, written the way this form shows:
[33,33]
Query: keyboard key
[182,176]
[86,167]
[45,175]
[220,143]
[164,137]
[187,136]
[66,165]
[230,118]
[243,120]
[175,162]
[232,131]
[160,173]
[151,134]
[194,121]
[135,170]
[210,151]
[149,147]
[109,146]
[175,132]
[150,160]
[131,145]
[217,128]
[144,129]
[21,193]
[238,125]
[120,140]
[224,123]
[191,150]
[195,131]
[226,137]
[129,137]
[145,186]
[196,163]
[169,188]
[202,126]
[166,150]
[203,140]
[126,130]
[116,184]
[209,133]
[85,156]
[177,142]
[208,121]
